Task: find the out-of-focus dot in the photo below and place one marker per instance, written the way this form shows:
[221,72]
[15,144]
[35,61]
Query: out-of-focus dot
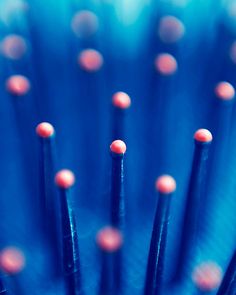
[13,46]
[12,260]
[225,91]
[90,60]
[170,29]
[165,64]
[109,239]
[207,276]
[84,23]
[18,85]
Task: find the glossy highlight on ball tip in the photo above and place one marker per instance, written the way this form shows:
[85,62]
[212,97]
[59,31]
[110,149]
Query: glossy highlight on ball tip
[45,130]
[121,100]
[118,147]
[203,135]
[65,178]
[166,184]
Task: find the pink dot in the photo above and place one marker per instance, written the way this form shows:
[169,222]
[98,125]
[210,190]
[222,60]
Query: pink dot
[109,239]
[84,23]
[65,178]
[207,276]
[224,91]
[165,64]
[90,60]
[121,100]
[170,29]
[13,47]
[165,184]
[45,130]
[18,85]
[203,135]
[118,147]
[12,260]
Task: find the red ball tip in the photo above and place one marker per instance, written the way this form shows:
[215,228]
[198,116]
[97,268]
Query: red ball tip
[12,260]
[45,130]
[121,100]
[65,178]
[118,147]
[109,239]
[166,64]
[90,60]
[203,135]
[170,29]
[225,91]
[166,184]
[18,85]
[13,47]
[207,276]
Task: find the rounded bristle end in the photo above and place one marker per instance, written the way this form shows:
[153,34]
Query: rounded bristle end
[65,179]
[207,276]
[18,85]
[90,60]
[12,260]
[170,29]
[45,130]
[225,91]
[121,100]
[203,135]
[166,64]
[118,147]
[166,184]
[109,239]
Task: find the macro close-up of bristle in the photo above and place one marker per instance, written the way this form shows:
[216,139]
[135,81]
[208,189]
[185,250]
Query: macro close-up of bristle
[118,147]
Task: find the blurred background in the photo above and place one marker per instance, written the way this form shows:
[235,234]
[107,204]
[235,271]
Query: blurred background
[71,56]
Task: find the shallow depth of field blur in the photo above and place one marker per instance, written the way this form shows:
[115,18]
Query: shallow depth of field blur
[168,56]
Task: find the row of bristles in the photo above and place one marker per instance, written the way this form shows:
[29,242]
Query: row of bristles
[207,276]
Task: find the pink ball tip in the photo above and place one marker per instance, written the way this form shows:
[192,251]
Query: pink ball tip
[13,47]
[45,130]
[109,239]
[203,135]
[170,29]
[121,100]
[12,260]
[118,147]
[165,184]
[224,91]
[207,276]
[65,178]
[18,85]
[84,23]
[166,64]
[90,60]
